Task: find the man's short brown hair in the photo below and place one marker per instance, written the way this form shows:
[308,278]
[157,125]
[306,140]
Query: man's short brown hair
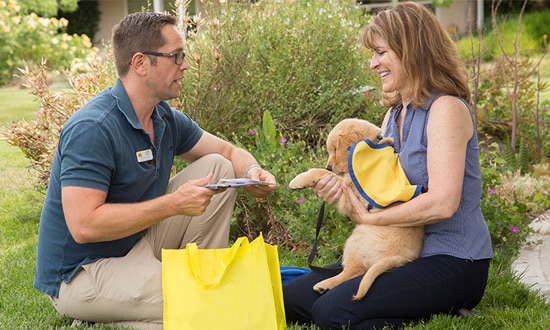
[138,32]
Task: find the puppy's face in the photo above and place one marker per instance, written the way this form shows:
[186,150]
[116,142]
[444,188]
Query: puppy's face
[344,135]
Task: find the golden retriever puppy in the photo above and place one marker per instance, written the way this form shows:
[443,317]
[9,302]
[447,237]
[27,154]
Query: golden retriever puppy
[370,250]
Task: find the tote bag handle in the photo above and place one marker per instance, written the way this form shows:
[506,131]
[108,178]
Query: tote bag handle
[241,244]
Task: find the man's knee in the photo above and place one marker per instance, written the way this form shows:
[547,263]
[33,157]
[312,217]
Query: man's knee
[211,163]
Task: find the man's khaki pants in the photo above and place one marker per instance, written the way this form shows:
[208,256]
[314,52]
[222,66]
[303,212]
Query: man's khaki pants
[128,290]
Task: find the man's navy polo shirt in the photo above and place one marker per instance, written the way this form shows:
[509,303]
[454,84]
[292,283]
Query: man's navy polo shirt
[103,146]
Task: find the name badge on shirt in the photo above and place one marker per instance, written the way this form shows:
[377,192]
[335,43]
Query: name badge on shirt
[144,155]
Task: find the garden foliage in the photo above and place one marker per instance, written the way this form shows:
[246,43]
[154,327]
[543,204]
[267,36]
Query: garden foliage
[38,137]
[273,84]
[274,77]
[27,38]
[507,65]
[83,20]
[299,60]
[47,8]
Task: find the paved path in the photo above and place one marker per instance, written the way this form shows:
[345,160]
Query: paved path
[533,263]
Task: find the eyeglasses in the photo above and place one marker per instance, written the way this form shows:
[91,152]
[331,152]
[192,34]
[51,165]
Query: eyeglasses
[178,57]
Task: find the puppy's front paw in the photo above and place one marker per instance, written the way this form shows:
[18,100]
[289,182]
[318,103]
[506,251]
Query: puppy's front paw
[320,288]
[300,181]
[303,180]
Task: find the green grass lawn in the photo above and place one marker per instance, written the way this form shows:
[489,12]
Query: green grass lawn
[508,304]
[545,74]
[16,103]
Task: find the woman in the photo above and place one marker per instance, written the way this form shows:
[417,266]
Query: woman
[425,86]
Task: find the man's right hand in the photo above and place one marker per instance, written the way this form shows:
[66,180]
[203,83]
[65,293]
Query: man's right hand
[192,198]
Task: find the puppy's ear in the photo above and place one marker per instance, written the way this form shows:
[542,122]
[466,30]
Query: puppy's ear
[335,143]
[349,139]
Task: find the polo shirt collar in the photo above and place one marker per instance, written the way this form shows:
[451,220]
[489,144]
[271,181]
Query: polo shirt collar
[125,106]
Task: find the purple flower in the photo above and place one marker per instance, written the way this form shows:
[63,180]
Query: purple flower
[514,229]
[252,132]
[300,200]
[491,191]
[282,140]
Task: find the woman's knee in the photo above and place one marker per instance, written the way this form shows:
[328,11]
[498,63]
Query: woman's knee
[327,314]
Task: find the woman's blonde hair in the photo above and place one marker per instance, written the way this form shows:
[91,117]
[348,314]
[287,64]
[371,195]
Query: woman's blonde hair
[429,57]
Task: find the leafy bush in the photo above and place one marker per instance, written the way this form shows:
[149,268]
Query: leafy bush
[37,138]
[263,70]
[288,217]
[495,106]
[536,25]
[47,8]
[531,38]
[26,39]
[472,47]
[527,43]
[511,199]
[299,60]
[83,20]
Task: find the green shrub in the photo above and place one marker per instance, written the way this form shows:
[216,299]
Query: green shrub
[27,39]
[537,26]
[531,38]
[276,90]
[46,8]
[511,199]
[525,43]
[471,47]
[83,20]
[37,138]
[288,217]
[496,95]
[300,60]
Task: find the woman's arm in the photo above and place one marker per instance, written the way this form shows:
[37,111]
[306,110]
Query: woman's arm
[449,129]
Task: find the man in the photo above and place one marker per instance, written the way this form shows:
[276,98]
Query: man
[111,207]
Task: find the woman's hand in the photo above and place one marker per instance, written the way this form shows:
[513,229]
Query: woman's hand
[359,213]
[328,188]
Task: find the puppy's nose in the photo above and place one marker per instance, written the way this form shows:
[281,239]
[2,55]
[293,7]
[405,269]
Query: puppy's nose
[329,168]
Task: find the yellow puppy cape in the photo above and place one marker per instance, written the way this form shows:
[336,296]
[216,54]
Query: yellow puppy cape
[378,176]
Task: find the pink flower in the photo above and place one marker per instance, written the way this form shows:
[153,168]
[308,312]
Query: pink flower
[282,140]
[491,191]
[514,229]
[252,132]
[300,200]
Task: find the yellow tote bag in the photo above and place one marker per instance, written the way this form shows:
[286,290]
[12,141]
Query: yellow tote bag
[232,288]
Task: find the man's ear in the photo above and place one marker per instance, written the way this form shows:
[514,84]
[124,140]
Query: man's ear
[140,63]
